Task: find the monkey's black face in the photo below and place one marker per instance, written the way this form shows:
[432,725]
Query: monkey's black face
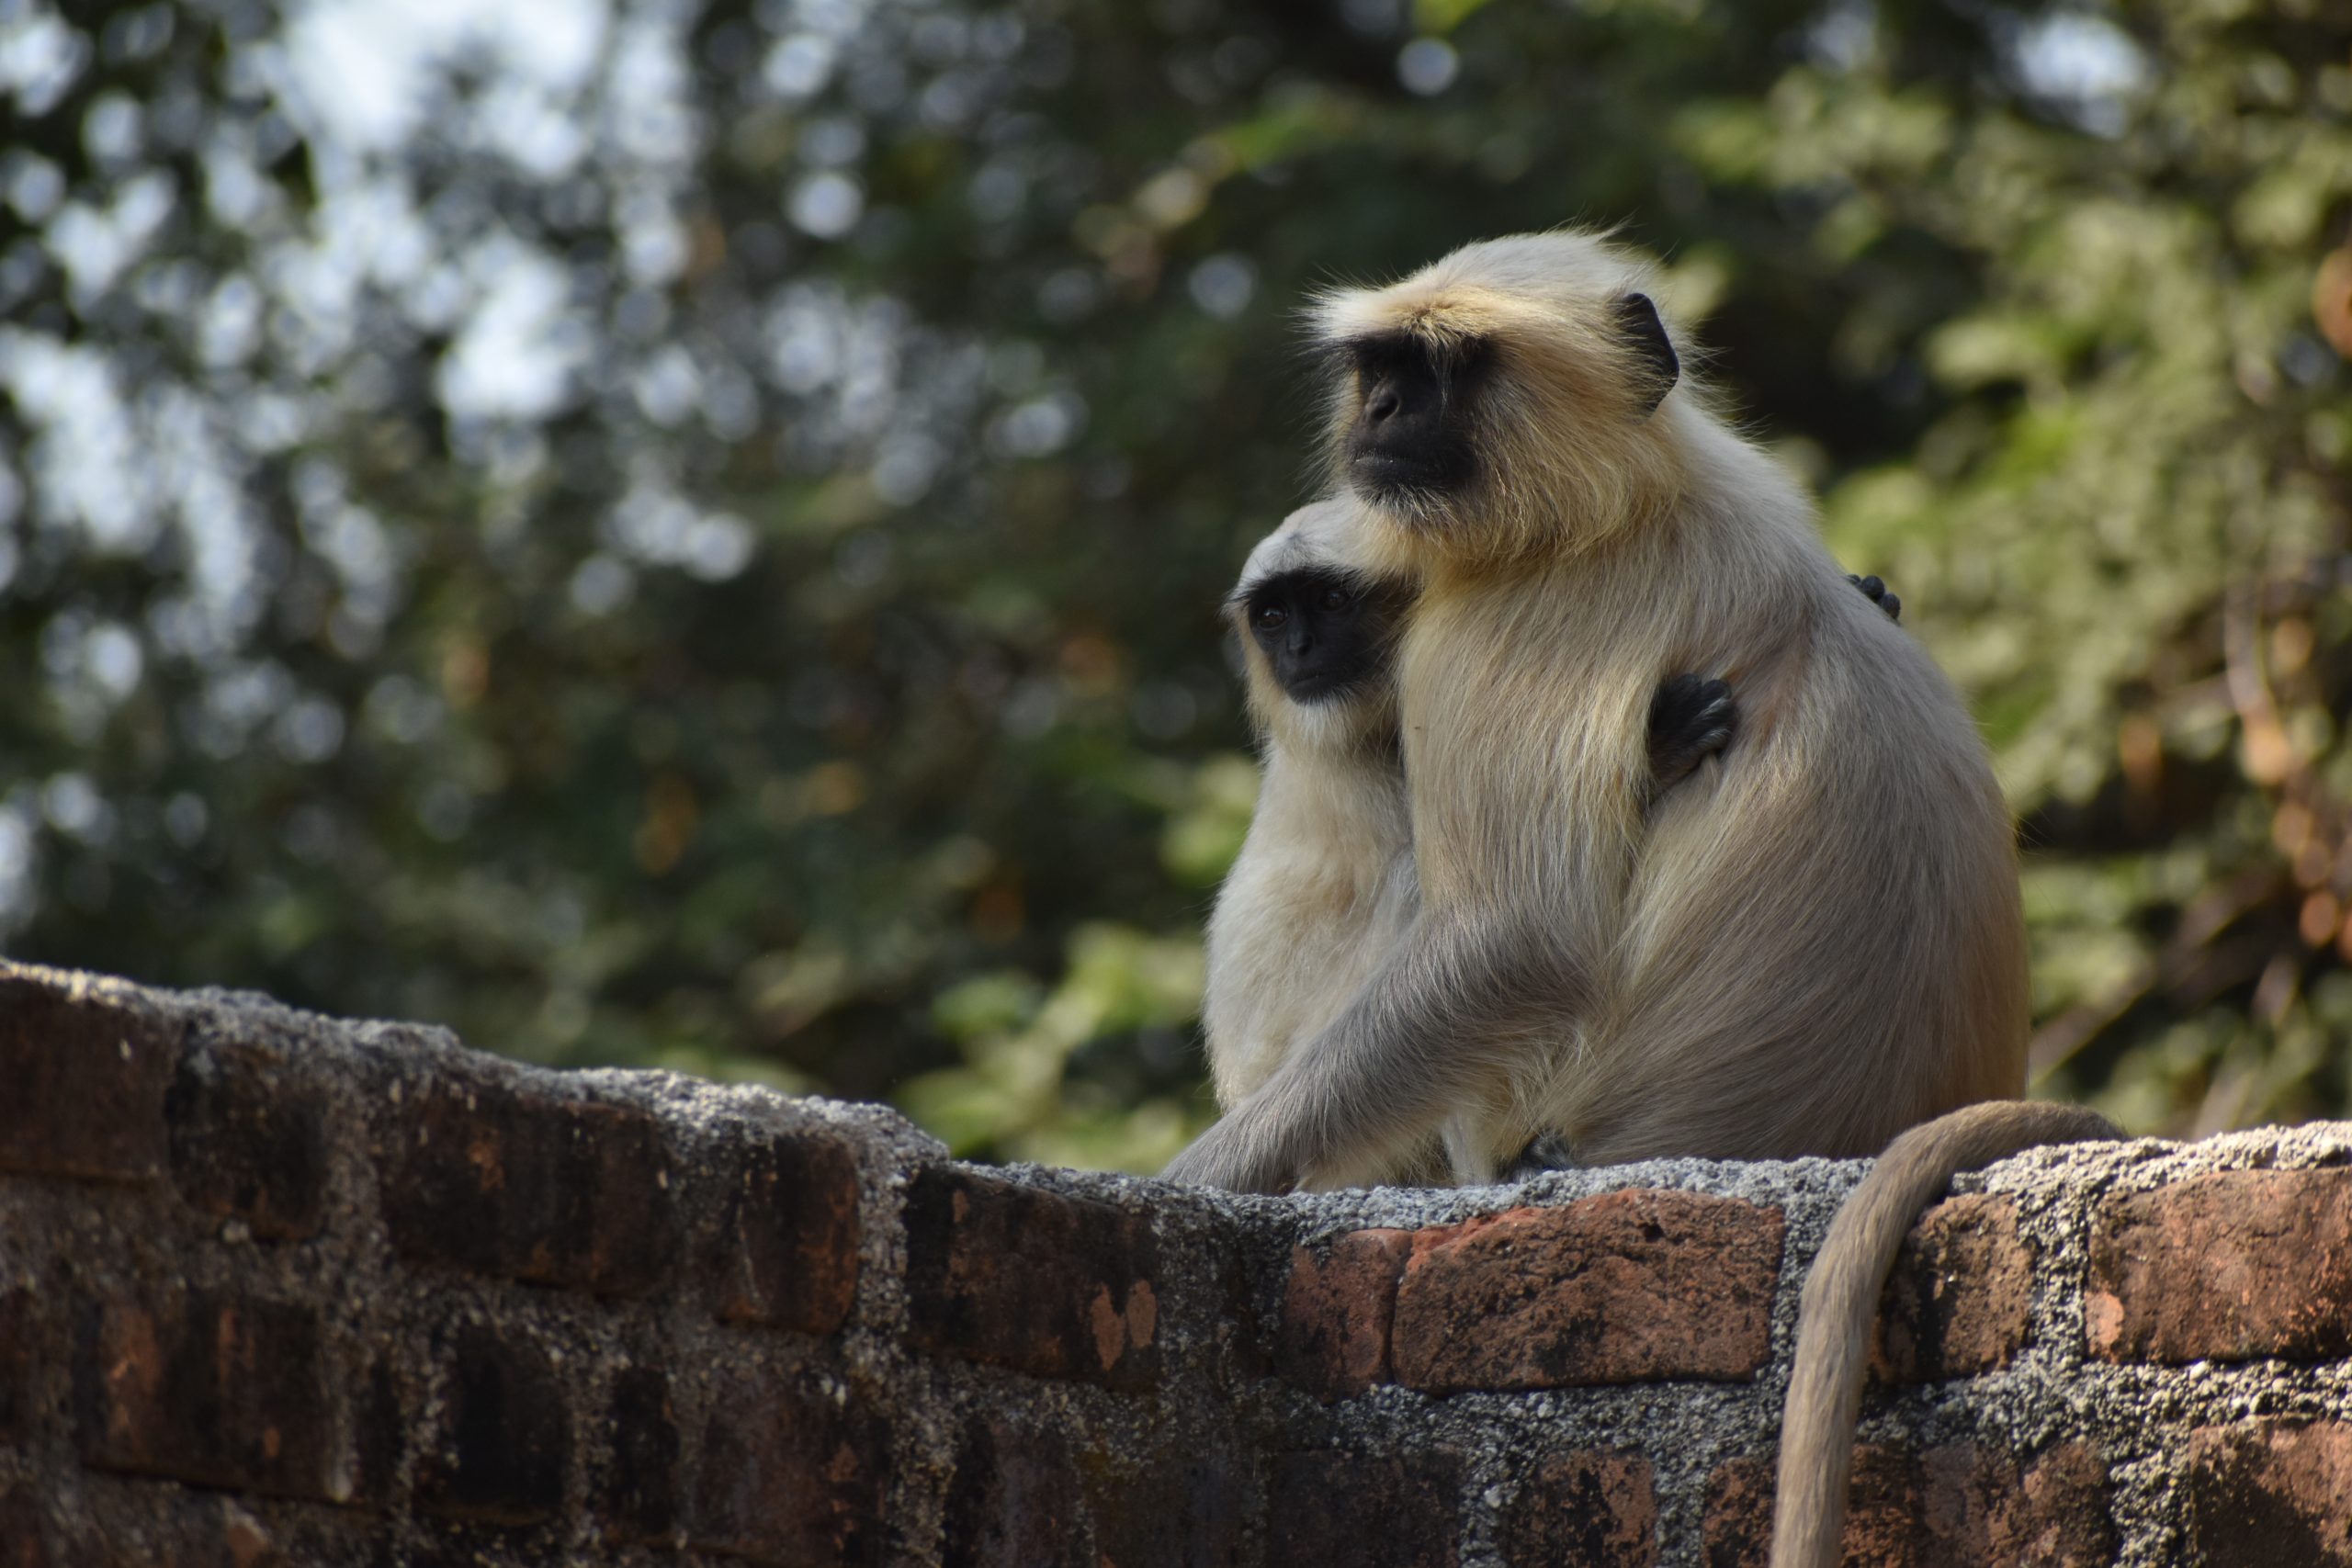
[1323,632]
[1412,426]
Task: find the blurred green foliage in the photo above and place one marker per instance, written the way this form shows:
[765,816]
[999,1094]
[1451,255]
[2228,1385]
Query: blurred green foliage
[689,534]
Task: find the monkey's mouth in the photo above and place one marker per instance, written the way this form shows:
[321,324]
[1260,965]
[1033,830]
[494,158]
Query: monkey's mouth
[1315,687]
[1381,473]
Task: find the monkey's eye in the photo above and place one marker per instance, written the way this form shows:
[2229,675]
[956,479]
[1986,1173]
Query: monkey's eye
[1336,598]
[1269,617]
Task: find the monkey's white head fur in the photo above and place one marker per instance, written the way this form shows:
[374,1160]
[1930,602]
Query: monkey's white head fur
[1335,533]
[1571,446]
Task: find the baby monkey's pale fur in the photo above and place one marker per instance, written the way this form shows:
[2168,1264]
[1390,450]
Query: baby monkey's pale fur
[1806,951]
[1324,885]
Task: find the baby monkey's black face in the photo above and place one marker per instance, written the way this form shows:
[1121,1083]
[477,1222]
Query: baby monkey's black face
[1324,632]
[1412,429]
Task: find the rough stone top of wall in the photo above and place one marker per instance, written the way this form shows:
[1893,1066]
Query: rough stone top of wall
[279,1289]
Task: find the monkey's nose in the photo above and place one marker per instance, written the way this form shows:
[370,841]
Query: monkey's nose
[1384,403]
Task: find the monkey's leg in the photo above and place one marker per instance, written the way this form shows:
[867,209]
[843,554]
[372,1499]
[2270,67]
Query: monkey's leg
[1429,1029]
[1692,718]
[1876,593]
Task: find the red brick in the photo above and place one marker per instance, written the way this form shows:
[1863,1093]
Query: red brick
[1959,1507]
[1960,1299]
[784,1251]
[247,1143]
[1336,1310]
[1627,1287]
[2233,1266]
[558,1192]
[503,1443]
[218,1389]
[1053,1286]
[1175,1514]
[2272,1492]
[1337,1510]
[1588,1510]
[636,1494]
[85,1075]
[791,1476]
[1012,1501]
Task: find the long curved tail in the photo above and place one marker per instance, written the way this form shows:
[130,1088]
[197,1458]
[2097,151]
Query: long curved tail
[1841,1297]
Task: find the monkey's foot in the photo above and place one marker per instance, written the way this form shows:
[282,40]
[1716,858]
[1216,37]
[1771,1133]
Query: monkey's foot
[1544,1152]
[1875,592]
[1225,1157]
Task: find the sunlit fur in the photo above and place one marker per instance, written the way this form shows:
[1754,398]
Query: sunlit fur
[1814,945]
[1542,300]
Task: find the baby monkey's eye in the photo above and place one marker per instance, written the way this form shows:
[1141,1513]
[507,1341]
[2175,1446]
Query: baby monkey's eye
[1337,598]
[1269,617]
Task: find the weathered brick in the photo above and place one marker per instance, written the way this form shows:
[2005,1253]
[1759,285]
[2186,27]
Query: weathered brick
[636,1494]
[2272,1492]
[218,1389]
[2232,1267]
[503,1442]
[195,1529]
[558,1192]
[1336,1310]
[380,1435]
[20,1361]
[784,1251]
[791,1475]
[1626,1287]
[1337,1510]
[1587,1510]
[1171,1514]
[1053,1286]
[246,1143]
[1960,1299]
[1012,1501]
[23,1534]
[1957,1506]
[86,1077]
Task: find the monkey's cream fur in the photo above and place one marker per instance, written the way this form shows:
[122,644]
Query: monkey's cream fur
[1803,951]
[1806,951]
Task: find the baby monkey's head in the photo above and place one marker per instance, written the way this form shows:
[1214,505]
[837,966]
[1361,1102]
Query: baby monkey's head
[1503,401]
[1318,627]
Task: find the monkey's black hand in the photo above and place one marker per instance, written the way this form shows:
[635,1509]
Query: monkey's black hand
[1692,718]
[1875,591]
[1544,1152]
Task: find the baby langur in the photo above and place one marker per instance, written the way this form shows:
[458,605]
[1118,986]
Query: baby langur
[1324,883]
[1820,949]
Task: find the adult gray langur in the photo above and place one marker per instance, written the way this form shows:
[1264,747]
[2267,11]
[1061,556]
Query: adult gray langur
[1808,949]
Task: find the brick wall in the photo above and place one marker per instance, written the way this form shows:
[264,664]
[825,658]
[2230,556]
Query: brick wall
[275,1289]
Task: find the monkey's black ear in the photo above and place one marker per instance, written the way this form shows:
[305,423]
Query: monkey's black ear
[1653,350]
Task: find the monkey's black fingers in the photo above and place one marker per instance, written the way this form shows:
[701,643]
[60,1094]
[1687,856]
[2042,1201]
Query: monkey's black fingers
[1874,588]
[1692,718]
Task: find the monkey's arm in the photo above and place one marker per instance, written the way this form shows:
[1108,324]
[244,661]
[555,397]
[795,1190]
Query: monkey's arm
[1427,1031]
